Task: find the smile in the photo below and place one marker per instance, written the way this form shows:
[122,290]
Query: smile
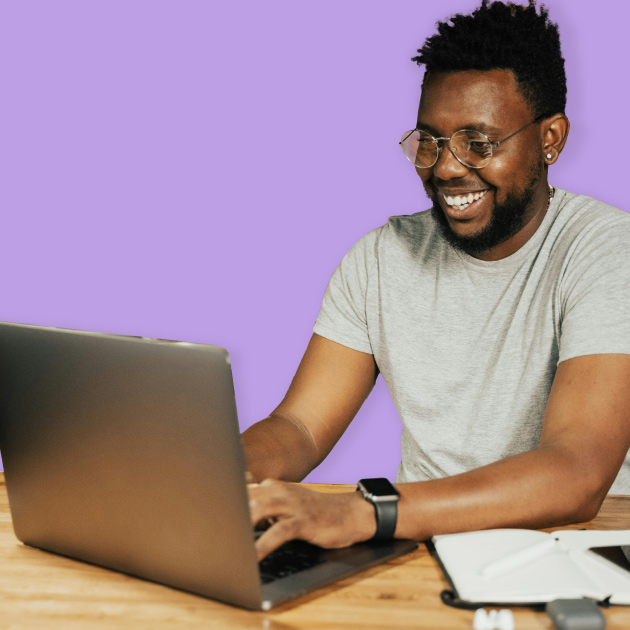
[461,202]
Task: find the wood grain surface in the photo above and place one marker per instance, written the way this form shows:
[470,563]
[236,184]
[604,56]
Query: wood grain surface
[42,590]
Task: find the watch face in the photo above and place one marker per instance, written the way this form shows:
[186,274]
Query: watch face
[379,488]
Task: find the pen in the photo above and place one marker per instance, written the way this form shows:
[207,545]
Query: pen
[518,559]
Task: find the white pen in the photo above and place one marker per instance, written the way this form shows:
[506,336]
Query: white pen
[518,559]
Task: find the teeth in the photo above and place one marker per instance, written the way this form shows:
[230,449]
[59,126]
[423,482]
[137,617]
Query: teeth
[464,201]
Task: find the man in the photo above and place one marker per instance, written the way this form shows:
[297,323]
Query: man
[500,319]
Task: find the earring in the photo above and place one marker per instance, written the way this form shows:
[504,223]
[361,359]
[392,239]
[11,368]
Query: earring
[548,156]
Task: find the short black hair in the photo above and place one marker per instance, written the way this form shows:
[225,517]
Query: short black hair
[503,36]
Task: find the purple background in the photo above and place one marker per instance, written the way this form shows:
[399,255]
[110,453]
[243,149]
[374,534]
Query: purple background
[196,170]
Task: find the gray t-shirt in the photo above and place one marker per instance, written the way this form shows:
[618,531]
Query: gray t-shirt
[469,348]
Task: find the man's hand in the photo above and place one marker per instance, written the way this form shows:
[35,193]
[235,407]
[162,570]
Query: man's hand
[327,520]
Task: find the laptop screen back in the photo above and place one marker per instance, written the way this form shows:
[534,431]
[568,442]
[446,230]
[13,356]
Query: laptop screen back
[125,452]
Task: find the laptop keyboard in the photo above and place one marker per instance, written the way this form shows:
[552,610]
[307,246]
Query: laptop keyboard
[290,558]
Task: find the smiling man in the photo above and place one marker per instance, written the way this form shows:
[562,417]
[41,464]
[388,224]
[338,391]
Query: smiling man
[499,319]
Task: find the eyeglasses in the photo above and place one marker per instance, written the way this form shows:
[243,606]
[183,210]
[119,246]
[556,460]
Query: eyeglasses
[472,148]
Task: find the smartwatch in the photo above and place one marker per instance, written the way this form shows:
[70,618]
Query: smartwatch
[384,497]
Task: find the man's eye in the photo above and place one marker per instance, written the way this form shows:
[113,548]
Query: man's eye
[479,146]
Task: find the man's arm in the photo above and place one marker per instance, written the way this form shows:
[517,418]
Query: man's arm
[585,437]
[328,389]
[586,434]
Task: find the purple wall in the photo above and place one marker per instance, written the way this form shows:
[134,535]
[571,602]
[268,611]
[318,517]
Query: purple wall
[196,170]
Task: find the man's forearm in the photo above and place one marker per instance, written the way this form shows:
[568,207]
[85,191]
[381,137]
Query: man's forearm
[540,488]
[279,447]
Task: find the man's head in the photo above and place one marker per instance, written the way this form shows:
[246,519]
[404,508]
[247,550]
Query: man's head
[493,71]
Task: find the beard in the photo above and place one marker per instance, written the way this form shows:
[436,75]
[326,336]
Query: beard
[507,219]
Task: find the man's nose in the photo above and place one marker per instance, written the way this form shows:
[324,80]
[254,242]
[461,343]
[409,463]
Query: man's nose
[448,166]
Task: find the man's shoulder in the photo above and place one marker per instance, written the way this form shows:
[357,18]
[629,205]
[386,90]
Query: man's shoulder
[590,233]
[400,231]
[418,224]
[583,215]
[409,232]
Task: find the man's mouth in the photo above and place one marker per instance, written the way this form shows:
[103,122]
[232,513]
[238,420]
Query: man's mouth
[461,201]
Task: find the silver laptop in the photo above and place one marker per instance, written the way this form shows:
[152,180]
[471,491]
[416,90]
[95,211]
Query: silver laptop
[125,452]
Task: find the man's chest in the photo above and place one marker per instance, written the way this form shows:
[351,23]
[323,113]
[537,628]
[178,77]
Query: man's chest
[452,326]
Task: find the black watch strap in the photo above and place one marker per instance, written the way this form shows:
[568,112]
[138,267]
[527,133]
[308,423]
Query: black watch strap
[384,497]
[386,517]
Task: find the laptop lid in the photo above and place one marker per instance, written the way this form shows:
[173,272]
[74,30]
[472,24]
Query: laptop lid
[125,452]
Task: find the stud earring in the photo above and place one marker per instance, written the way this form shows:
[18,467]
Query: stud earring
[548,156]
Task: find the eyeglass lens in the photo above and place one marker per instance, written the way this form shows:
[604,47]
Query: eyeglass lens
[470,147]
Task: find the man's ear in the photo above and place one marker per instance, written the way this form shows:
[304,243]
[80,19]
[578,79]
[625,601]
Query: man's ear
[555,130]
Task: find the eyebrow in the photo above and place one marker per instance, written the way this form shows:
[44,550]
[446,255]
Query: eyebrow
[487,129]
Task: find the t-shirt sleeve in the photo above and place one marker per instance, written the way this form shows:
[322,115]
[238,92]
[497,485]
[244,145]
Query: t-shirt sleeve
[342,317]
[596,292]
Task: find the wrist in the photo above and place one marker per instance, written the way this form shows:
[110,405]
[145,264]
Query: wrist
[363,517]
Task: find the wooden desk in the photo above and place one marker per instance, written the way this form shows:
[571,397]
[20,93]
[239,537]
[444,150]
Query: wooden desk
[42,590]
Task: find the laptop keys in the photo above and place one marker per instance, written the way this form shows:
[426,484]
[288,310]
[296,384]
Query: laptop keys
[290,558]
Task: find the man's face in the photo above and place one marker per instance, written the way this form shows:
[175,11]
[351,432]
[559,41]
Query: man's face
[513,185]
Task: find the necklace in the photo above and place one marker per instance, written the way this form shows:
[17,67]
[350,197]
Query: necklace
[551,191]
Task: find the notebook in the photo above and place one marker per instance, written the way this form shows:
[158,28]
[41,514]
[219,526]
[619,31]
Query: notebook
[528,567]
[125,452]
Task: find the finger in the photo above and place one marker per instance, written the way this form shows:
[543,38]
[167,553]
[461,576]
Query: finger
[266,523]
[249,477]
[269,500]
[275,536]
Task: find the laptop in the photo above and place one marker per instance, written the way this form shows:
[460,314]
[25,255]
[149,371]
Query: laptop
[125,452]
